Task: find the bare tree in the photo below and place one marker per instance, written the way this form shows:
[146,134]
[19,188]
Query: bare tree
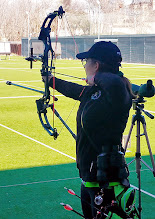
[85,17]
[14,14]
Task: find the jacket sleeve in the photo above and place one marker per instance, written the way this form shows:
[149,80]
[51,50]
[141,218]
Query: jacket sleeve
[68,89]
[112,86]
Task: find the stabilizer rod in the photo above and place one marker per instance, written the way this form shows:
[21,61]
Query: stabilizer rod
[28,88]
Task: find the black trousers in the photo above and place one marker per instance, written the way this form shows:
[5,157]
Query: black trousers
[87,201]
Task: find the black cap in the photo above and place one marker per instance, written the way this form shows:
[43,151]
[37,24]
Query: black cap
[103,51]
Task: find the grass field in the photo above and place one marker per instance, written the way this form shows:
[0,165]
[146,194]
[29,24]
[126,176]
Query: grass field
[35,168]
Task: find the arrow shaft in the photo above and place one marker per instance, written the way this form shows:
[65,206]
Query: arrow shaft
[78,213]
[69,75]
[73,193]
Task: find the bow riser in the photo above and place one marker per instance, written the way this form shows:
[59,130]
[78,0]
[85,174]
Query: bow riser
[43,103]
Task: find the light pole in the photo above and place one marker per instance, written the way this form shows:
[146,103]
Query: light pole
[99,13]
[28,30]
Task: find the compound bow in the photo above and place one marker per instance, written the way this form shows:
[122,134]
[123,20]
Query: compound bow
[43,103]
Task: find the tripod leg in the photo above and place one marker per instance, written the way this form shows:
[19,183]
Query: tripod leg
[149,147]
[138,166]
[128,138]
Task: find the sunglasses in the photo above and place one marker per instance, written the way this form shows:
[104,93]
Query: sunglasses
[84,61]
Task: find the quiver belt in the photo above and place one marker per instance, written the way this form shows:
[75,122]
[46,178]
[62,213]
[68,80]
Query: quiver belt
[111,166]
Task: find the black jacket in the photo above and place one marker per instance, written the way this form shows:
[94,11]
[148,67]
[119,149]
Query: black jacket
[101,117]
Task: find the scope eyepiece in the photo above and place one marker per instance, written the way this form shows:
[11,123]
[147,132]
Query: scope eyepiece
[146,90]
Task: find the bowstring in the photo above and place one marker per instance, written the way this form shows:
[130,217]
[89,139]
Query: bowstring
[77,51]
[55,50]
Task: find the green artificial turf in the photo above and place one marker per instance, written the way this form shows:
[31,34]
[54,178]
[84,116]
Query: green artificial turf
[29,155]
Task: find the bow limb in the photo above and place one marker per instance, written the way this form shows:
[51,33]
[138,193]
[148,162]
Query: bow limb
[43,103]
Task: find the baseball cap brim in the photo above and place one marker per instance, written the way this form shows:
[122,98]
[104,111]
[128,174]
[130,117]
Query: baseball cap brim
[83,55]
[103,51]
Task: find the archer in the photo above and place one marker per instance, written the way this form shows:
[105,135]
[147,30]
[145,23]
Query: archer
[101,119]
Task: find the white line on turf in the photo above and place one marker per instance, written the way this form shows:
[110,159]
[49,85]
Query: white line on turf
[134,171]
[17,97]
[139,66]
[17,68]
[39,182]
[25,97]
[2,80]
[32,139]
[150,111]
[141,78]
[147,193]
[57,180]
[38,68]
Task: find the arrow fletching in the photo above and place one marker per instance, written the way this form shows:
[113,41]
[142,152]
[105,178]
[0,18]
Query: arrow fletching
[67,207]
[70,191]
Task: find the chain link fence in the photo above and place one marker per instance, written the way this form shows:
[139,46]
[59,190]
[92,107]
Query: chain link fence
[134,48]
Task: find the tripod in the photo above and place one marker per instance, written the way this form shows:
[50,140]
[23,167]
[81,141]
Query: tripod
[139,107]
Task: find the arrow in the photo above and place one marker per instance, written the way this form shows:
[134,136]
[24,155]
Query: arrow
[70,191]
[69,208]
